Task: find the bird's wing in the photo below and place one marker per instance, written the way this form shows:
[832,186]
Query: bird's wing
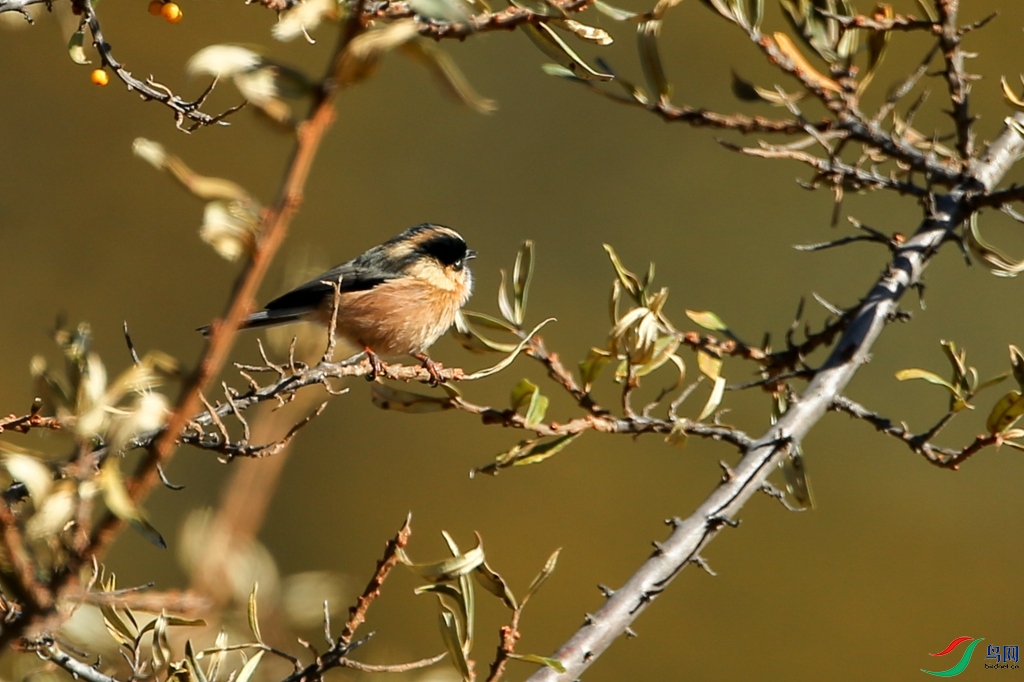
[312,293]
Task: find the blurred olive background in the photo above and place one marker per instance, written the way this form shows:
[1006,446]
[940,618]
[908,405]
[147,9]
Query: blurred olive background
[897,558]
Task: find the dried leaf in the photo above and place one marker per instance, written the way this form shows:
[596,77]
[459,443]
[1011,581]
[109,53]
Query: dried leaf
[254,621]
[1010,95]
[714,400]
[584,32]
[989,255]
[804,67]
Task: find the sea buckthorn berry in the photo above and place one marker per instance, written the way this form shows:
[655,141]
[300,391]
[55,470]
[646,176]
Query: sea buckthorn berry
[171,12]
[156,7]
[99,77]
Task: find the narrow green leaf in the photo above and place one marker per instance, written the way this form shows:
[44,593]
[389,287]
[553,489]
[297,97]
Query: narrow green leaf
[614,12]
[560,71]
[551,44]
[545,573]
[75,47]
[249,669]
[488,322]
[552,663]
[522,274]
[528,452]
[797,483]
[930,377]
[492,581]
[647,41]
[467,596]
[677,436]
[448,623]
[591,366]
[629,281]
[466,332]
[1006,412]
[709,365]
[512,355]
[503,303]
[448,75]
[120,503]
[447,569]
[1017,363]
[708,320]
[192,664]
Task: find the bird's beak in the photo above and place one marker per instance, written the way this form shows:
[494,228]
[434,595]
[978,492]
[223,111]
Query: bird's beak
[470,254]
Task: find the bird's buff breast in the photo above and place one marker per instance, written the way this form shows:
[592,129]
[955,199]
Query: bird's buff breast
[400,317]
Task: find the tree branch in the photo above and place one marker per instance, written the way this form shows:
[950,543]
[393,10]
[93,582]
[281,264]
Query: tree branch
[690,536]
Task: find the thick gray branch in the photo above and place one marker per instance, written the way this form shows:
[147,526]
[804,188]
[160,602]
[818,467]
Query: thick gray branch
[720,509]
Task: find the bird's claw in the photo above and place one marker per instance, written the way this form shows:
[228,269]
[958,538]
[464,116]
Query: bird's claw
[376,366]
[433,369]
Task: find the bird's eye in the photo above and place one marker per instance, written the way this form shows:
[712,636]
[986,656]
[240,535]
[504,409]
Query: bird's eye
[458,265]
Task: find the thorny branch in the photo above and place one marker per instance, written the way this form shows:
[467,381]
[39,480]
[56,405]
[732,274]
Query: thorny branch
[970,183]
[337,655]
[946,458]
[41,616]
[150,89]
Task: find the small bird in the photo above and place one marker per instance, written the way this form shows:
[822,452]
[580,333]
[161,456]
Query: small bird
[398,298]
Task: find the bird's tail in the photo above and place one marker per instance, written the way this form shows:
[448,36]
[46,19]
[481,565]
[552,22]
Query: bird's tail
[264,318]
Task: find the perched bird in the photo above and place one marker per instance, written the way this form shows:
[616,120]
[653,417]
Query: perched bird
[398,298]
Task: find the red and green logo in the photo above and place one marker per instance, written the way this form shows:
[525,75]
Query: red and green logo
[964,659]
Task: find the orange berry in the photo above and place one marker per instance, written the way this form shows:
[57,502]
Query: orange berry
[156,7]
[99,77]
[171,12]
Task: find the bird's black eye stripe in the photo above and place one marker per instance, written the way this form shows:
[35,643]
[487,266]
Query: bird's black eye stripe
[448,249]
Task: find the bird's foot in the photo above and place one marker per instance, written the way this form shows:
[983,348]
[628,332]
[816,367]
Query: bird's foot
[376,366]
[433,368]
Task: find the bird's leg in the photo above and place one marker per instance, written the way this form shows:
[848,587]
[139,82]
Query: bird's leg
[376,366]
[433,368]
